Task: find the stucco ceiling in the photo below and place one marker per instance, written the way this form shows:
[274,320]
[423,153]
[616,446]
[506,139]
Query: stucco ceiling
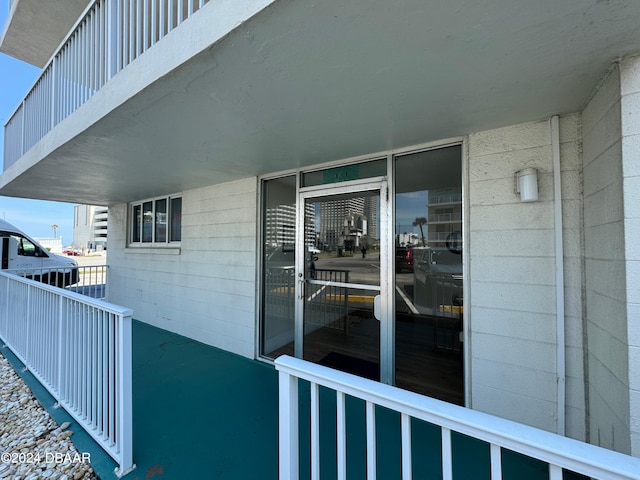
[306,82]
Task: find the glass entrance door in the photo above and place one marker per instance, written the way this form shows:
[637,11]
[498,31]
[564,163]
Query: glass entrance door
[342,322]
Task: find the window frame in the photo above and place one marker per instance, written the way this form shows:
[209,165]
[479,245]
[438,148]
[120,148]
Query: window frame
[136,234]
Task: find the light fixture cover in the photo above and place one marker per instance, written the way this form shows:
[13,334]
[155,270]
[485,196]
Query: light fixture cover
[527,181]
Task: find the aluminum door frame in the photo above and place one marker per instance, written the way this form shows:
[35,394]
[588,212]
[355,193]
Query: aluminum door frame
[387,327]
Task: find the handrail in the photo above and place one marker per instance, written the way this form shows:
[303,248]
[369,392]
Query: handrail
[79,348]
[559,452]
[108,36]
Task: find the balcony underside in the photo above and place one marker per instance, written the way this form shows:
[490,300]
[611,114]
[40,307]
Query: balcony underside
[53,20]
[303,82]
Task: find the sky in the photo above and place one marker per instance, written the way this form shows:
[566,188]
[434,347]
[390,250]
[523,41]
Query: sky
[34,217]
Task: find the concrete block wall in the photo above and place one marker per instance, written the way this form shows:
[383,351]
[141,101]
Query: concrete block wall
[512,276]
[206,289]
[630,126]
[605,270]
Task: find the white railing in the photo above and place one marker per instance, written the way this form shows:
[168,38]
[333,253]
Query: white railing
[560,453]
[79,348]
[108,36]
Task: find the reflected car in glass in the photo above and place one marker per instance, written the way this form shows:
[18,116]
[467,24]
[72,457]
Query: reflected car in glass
[437,281]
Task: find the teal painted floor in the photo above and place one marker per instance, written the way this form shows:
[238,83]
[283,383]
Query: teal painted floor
[202,413]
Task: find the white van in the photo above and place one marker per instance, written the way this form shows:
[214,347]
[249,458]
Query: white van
[25,257]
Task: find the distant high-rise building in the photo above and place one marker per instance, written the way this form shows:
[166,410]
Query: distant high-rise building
[90,227]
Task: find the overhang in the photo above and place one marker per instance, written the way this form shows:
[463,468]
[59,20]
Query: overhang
[307,82]
[35,29]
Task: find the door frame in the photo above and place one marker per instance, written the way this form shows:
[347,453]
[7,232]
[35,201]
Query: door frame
[387,327]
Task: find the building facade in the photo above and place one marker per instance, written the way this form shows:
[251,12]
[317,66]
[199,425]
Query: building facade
[228,133]
[90,227]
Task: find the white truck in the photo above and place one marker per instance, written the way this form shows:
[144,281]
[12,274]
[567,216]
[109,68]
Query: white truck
[23,256]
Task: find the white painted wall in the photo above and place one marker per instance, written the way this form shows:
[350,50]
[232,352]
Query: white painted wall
[512,276]
[205,289]
[630,125]
[606,308]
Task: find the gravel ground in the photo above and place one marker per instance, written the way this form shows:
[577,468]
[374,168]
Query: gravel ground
[32,445]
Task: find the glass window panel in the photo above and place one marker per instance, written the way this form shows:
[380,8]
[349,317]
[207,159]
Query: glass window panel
[161,220]
[176,219]
[428,279]
[147,222]
[136,221]
[278,296]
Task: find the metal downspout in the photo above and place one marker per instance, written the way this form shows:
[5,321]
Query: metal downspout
[559,266]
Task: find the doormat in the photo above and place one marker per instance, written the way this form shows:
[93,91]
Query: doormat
[349,364]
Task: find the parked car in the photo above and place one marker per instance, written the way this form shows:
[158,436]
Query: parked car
[72,252]
[404,259]
[437,280]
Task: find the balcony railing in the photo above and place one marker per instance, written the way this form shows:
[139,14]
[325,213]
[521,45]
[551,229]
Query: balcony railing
[79,348]
[438,199]
[559,453]
[445,218]
[108,36]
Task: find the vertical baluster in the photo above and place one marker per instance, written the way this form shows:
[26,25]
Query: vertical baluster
[315,432]
[555,472]
[94,370]
[341,433]
[132,31]
[370,410]
[496,462]
[100,395]
[407,468]
[139,27]
[112,384]
[180,13]
[154,22]
[59,338]
[447,458]
[161,26]
[145,22]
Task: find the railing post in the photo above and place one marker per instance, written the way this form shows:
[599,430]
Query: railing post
[288,427]
[124,410]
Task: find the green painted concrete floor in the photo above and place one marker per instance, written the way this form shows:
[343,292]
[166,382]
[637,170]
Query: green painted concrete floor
[203,413]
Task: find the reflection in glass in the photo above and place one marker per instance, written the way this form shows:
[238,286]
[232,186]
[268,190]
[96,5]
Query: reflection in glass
[147,222]
[278,298]
[428,265]
[136,218]
[161,220]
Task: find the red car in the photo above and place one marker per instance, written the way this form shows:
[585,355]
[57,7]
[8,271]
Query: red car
[404,259]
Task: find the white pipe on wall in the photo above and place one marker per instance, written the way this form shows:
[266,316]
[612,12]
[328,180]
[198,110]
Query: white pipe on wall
[559,266]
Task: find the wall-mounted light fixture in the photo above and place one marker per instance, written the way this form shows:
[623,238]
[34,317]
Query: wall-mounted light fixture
[527,184]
